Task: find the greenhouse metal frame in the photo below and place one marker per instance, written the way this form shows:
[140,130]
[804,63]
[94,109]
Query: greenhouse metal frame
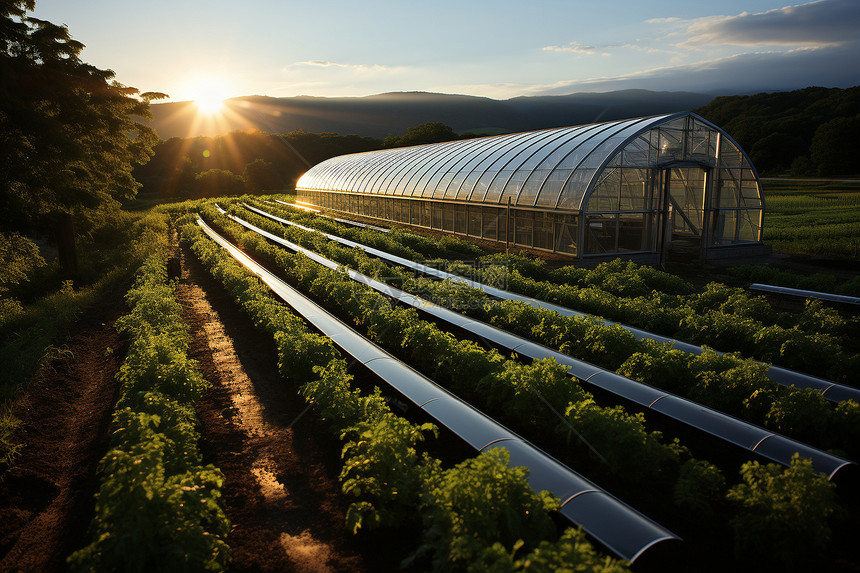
[628,187]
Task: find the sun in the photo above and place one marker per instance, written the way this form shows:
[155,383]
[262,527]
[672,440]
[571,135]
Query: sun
[209,95]
[209,104]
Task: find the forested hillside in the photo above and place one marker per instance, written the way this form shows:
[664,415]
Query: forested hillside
[808,132]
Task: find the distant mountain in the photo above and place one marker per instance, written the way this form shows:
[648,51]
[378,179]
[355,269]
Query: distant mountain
[392,113]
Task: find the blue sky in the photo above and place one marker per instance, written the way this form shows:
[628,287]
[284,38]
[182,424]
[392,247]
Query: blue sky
[497,49]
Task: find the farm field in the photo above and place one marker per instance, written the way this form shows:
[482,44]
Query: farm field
[293,461]
[813,218]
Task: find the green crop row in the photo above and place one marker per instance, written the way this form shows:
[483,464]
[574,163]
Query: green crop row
[157,508]
[719,316]
[480,512]
[728,383]
[816,282]
[523,392]
[722,317]
[520,393]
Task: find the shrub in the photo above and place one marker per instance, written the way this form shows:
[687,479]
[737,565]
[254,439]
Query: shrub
[782,512]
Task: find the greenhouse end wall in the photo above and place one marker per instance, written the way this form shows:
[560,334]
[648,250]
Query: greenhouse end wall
[631,188]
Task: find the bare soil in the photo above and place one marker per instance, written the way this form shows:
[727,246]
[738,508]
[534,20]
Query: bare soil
[46,499]
[281,490]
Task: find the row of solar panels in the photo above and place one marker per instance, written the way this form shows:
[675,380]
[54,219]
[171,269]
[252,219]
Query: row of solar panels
[619,527]
[733,430]
[840,298]
[309,209]
[830,390]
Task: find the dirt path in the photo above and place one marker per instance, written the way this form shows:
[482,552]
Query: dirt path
[46,499]
[281,491]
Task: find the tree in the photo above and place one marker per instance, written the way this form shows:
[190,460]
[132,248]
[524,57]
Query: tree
[433,132]
[260,175]
[69,133]
[835,148]
[217,183]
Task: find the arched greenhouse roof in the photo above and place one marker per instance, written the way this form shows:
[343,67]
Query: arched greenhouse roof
[550,168]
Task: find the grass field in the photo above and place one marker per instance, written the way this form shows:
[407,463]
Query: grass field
[813,218]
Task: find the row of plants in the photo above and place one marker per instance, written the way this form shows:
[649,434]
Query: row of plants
[719,316]
[819,282]
[621,451]
[818,340]
[34,322]
[157,508]
[479,514]
[728,383]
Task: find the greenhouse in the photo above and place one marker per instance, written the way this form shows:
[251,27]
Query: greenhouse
[634,187]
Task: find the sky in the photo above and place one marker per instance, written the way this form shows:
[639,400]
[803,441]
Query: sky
[194,49]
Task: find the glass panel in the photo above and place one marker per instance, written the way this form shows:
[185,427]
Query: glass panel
[436,166]
[632,232]
[671,144]
[637,152]
[490,223]
[724,227]
[384,169]
[474,221]
[635,189]
[480,187]
[465,191]
[548,145]
[414,212]
[425,213]
[551,187]
[447,217]
[438,191]
[749,225]
[460,219]
[523,225]
[406,166]
[456,182]
[601,234]
[727,189]
[571,195]
[605,195]
[565,234]
[730,156]
[437,215]
[543,230]
[498,185]
[513,186]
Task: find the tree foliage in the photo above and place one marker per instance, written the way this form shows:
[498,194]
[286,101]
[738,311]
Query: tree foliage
[432,132]
[810,131]
[69,133]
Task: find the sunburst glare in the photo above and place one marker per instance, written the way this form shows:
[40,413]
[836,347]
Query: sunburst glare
[209,95]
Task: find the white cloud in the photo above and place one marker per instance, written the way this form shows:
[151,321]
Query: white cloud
[663,20]
[363,68]
[572,47]
[771,70]
[823,22]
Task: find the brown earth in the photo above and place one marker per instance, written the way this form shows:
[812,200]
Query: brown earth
[281,491]
[46,499]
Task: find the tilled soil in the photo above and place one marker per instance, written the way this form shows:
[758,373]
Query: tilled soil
[46,499]
[281,491]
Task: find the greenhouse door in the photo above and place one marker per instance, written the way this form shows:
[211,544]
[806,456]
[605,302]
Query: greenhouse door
[684,197]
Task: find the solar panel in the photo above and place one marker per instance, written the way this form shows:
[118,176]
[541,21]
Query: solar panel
[629,534]
[713,422]
[777,374]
